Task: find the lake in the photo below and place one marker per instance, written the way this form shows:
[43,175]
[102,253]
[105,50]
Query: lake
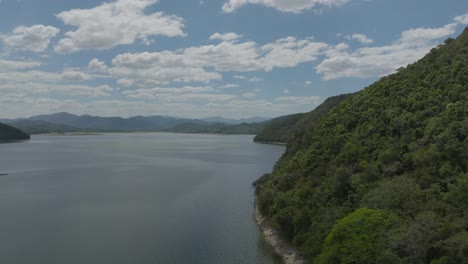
[132,198]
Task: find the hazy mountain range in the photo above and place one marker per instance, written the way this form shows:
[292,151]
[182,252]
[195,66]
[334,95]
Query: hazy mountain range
[66,122]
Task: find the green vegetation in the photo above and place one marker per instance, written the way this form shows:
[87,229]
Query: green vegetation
[279,129]
[382,177]
[219,128]
[283,128]
[8,133]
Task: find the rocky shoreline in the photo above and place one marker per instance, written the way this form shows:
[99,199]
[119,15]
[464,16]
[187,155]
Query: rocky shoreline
[281,247]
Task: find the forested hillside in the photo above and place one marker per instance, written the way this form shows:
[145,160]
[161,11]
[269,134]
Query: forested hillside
[382,177]
[283,128]
[8,133]
[279,129]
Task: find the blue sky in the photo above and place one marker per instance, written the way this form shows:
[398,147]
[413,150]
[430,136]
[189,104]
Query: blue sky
[233,58]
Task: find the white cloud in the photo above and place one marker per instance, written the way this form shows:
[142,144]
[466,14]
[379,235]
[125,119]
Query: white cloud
[115,23]
[462,20]
[225,37]
[21,105]
[289,52]
[306,100]
[96,65]
[203,63]
[361,38]
[183,94]
[228,85]
[35,38]
[379,61]
[42,76]
[75,75]
[307,83]
[286,91]
[9,65]
[249,95]
[240,77]
[63,89]
[255,79]
[295,6]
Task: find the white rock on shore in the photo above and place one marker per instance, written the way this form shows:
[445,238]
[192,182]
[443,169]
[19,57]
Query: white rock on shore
[282,247]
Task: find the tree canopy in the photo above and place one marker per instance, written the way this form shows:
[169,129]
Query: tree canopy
[381,177]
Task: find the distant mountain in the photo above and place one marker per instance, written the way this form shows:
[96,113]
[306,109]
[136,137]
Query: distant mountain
[219,119]
[104,124]
[43,127]
[66,122]
[8,133]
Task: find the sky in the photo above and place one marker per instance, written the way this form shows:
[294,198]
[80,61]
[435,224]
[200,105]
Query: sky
[200,58]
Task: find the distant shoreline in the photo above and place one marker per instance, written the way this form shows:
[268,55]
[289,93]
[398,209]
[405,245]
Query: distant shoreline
[65,134]
[271,143]
[281,246]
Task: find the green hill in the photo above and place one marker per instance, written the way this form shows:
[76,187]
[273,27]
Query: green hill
[8,133]
[219,128]
[282,128]
[279,129]
[382,177]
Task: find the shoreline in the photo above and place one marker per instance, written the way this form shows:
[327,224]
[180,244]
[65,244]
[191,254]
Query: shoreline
[283,248]
[270,142]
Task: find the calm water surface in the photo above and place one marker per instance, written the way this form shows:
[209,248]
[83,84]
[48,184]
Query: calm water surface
[132,198]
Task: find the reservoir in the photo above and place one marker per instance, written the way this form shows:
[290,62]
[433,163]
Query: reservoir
[143,198]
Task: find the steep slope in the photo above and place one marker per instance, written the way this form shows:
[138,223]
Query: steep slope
[382,177]
[8,133]
[279,129]
[282,128]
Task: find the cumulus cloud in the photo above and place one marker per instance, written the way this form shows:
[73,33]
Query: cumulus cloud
[225,37]
[379,61]
[203,63]
[361,38]
[296,6]
[11,65]
[74,75]
[228,86]
[305,100]
[96,65]
[62,89]
[183,94]
[462,20]
[115,23]
[35,38]
[249,95]
[255,79]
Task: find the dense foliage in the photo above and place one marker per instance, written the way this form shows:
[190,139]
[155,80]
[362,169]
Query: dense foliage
[280,129]
[219,128]
[382,177]
[10,133]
